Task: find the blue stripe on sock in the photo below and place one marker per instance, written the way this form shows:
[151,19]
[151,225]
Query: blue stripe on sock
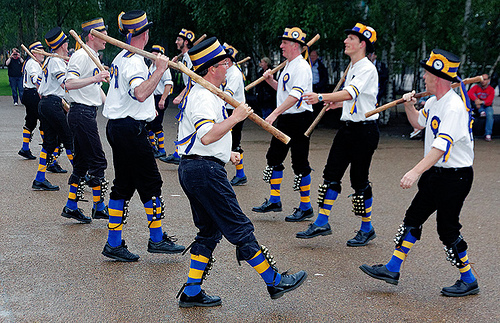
[322,218]
[306,180]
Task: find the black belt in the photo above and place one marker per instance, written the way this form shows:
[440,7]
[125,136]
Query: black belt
[83,105]
[443,170]
[359,123]
[198,157]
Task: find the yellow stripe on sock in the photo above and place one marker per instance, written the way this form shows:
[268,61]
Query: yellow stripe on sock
[366,218]
[275,192]
[324,211]
[464,269]
[195,273]
[368,210]
[155,224]
[305,188]
[200,258]
[328,202]
[262,267]
[401,255]
[305,199]
[113,212]
[276,180]
[464,258]
[407,244]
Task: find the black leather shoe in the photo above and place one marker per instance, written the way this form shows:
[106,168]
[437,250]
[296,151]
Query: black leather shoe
[299,215]
[202,299]
[170,159]
[44,186]
[56,168]
[314,231]
[268,207]
[166,245]
[461,288]
[104,214]
[238,181]
[381,272]
[362,238]
[26,154]
[287,284]
[159,154]
[119,253]
[75,214]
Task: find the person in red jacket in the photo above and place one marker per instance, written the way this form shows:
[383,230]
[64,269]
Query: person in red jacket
[482,97]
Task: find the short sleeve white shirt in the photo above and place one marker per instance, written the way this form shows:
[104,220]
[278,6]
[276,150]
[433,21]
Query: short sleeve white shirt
[32,74]
[295,80]
[81,66]
[53,75]
[234,85]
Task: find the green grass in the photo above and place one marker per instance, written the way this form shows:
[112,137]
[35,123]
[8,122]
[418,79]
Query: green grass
[4,83]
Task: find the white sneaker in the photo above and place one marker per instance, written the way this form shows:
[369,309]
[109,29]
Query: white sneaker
[15,103]
[487,138]
[482,114]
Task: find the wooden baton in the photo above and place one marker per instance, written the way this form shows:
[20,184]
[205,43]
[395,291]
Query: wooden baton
[323,110]
[30,54]
[419,95]
[38,51]
[277,68]
[246,59]
[86,48]
[198,79]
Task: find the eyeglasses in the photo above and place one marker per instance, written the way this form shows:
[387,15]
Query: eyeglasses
[224,63]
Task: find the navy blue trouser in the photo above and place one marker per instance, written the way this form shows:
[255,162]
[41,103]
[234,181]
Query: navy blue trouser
[54,124]
[30,100]
[157,124]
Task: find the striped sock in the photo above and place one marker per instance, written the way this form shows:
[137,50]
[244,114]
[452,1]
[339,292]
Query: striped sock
[176,153]
[198,265]
[240,172]
[152,140]
[466,271]
[69,153]
[161,141]
[366,220]
[42,166]
[115,225]
[400,253]
[276,179]
[72,203]
[96,198]
[155,230]
[26,139]
[324,211]
[305,193]
[260,264]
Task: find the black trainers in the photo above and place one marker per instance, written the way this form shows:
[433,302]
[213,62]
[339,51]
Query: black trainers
[287,284]
[461,288]
[239,181]
[44,186]
[166,245]
[314,231]
[159,154]
[362,238]
[299,215]
[381,272]
[26,154]
[268,207]
[170,159]
[75,214]
[202,299]
[104,214]
[56,168]
[119,253]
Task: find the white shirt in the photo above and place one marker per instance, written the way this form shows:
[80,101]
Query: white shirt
[166,79]
[295,80]
[53,75]
[203,109]
[81,66]
[447,128]
[362,84]
[32,74]
[128,71]
[234,85]
[186,61]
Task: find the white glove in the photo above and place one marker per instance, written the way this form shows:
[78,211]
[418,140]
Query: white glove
[408,96]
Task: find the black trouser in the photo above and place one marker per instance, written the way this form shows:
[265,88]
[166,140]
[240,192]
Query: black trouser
[88,154]
[133,160]
[54,124]
[157,124]
[30,100]
[354,144]
[293,125]
[236,134]
[442,190]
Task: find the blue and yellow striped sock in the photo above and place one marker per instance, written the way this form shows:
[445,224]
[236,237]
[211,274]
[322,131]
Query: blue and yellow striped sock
[260,264]
[198,265]
[69,153]
[305,193]
[276,179]
[115,225]
[176,153]
[96,198]
[26,139]
[161,141]
[324,211]
[72,203]
[466,271]
[155,230]
[240,172]
[400,253]
[42,166]
[151,136]
[366,220]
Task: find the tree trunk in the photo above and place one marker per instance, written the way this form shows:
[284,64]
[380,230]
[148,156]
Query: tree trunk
[492,69]
[465,33]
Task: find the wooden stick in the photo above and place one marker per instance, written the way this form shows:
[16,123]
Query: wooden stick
[323,110]
[246,59]
[86,48]
[30,54]
[38,51]
[277,68]
[198,79]
[199,40]
[420,95]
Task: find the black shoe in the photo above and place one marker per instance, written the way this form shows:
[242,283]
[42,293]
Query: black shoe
[26,154]
[119,253]
[159,154]
[268,207]
[170,159]
[75,214]
[202,299]
[166,245]
[362,238]
[104,214]
[381,272]
[299,215]
[238,181]
[461,288]
[56,168]
[314,231]
[287,283]
[44,186]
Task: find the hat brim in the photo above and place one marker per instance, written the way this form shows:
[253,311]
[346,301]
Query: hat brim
[369,46]
[437,73]
[185,38]
[211,62]
[292,39]
[137,32]
[86,33]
